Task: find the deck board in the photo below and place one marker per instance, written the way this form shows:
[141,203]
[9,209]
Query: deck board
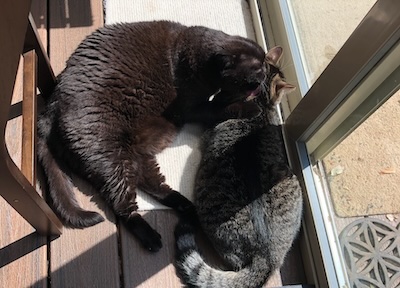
[87,257]
[70,22]
[146,269]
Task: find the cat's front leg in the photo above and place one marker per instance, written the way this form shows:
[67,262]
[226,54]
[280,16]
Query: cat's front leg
[148,237]
[206,113]
[153,183]
[240,110]
[124,206]
[212,113]
[279,171]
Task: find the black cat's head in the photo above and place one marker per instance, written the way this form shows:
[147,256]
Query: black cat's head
[242,67]
[250,72]
[264,98]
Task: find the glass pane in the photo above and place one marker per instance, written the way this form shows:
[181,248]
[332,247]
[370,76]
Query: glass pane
[367,162]
[359,191]
[362,175]
[374,89]
[322,27]
[360,179]
[354,191]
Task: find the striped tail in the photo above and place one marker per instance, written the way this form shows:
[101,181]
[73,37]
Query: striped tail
[195,272]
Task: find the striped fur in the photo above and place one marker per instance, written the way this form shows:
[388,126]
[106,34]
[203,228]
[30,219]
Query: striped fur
[248,201]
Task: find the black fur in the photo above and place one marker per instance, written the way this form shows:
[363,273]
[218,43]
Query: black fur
[120,100]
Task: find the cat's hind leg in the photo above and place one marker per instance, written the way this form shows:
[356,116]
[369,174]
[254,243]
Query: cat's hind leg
[120,177]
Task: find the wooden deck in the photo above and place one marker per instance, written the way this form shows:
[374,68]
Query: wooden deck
[104,255]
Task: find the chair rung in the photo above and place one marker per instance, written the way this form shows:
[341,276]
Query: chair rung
[29,116]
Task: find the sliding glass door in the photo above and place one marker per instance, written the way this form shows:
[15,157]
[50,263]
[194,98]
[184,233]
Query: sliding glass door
[343,133]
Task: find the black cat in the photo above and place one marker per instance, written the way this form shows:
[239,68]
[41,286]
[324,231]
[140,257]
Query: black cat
[119,101]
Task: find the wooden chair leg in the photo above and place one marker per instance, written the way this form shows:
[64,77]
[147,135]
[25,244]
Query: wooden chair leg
[46,79]
[14,186]
[21,195]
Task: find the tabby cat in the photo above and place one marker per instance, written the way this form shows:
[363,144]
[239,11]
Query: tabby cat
[120,100]
[248,201]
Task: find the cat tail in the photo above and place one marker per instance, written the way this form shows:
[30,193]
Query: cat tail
[61,190]
[195,272]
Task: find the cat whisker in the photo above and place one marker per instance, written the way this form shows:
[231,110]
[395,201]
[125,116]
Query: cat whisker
[285,65]
[264,88]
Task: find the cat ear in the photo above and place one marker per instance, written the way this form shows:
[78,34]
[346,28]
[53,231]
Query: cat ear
[274,55]
[279,89]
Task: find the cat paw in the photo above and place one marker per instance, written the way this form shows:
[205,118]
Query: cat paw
[242,110]
[150,240]
[147,236]
[249,110]
[279,171]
